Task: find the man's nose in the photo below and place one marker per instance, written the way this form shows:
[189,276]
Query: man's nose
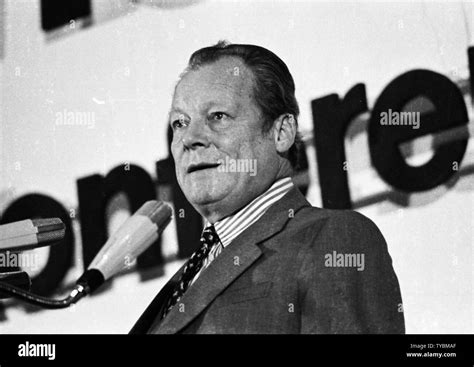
[195,135]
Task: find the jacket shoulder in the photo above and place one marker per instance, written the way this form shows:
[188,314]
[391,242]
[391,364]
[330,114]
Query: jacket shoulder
[336,228]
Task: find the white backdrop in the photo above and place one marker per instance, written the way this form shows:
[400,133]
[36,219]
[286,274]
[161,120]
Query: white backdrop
[120,73]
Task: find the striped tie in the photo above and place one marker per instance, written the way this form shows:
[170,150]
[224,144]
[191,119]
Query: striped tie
[209,238]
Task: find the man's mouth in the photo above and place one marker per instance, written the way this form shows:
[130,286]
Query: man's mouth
[201,166]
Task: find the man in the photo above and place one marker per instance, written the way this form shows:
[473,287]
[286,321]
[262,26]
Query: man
[267,262]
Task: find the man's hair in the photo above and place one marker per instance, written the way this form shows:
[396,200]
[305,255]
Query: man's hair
[274,88]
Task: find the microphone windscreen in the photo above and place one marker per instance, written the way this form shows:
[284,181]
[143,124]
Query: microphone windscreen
[49,229]
[158,212]
[31,233]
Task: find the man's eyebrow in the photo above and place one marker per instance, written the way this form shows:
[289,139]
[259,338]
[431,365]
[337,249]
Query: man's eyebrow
[176,109]
[221,103]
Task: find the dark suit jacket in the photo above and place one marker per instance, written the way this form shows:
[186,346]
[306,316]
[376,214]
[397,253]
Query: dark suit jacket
[274,278]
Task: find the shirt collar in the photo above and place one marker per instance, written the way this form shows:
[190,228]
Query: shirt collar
[231,226]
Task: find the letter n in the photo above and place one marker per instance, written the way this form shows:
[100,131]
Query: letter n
[95,193]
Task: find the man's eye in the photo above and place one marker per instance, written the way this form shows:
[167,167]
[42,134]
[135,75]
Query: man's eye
[218,115]
[177,124]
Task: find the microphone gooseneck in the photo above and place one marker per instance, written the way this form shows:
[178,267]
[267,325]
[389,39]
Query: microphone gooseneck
[77,293]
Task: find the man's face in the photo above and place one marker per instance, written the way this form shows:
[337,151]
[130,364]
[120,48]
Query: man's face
[215,121]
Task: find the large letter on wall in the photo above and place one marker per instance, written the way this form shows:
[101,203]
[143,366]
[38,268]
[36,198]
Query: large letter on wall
[331,118]
[384,139]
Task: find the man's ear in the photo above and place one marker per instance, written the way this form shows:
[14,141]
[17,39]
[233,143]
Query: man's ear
[284,132]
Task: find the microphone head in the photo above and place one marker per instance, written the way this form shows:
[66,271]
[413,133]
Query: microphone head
[158,212]
[49,229]
[31,233]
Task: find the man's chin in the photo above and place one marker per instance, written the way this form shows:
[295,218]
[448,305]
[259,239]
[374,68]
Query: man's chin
[203,198]
[207,191]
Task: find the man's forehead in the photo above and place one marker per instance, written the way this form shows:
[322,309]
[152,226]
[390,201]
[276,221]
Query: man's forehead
[228,75]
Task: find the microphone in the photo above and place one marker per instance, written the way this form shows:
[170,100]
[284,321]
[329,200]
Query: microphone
[127,243]
[31,233]
[131,239]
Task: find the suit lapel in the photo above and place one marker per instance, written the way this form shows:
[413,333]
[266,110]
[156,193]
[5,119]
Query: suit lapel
[155,309]
[233,261]
[210,283]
